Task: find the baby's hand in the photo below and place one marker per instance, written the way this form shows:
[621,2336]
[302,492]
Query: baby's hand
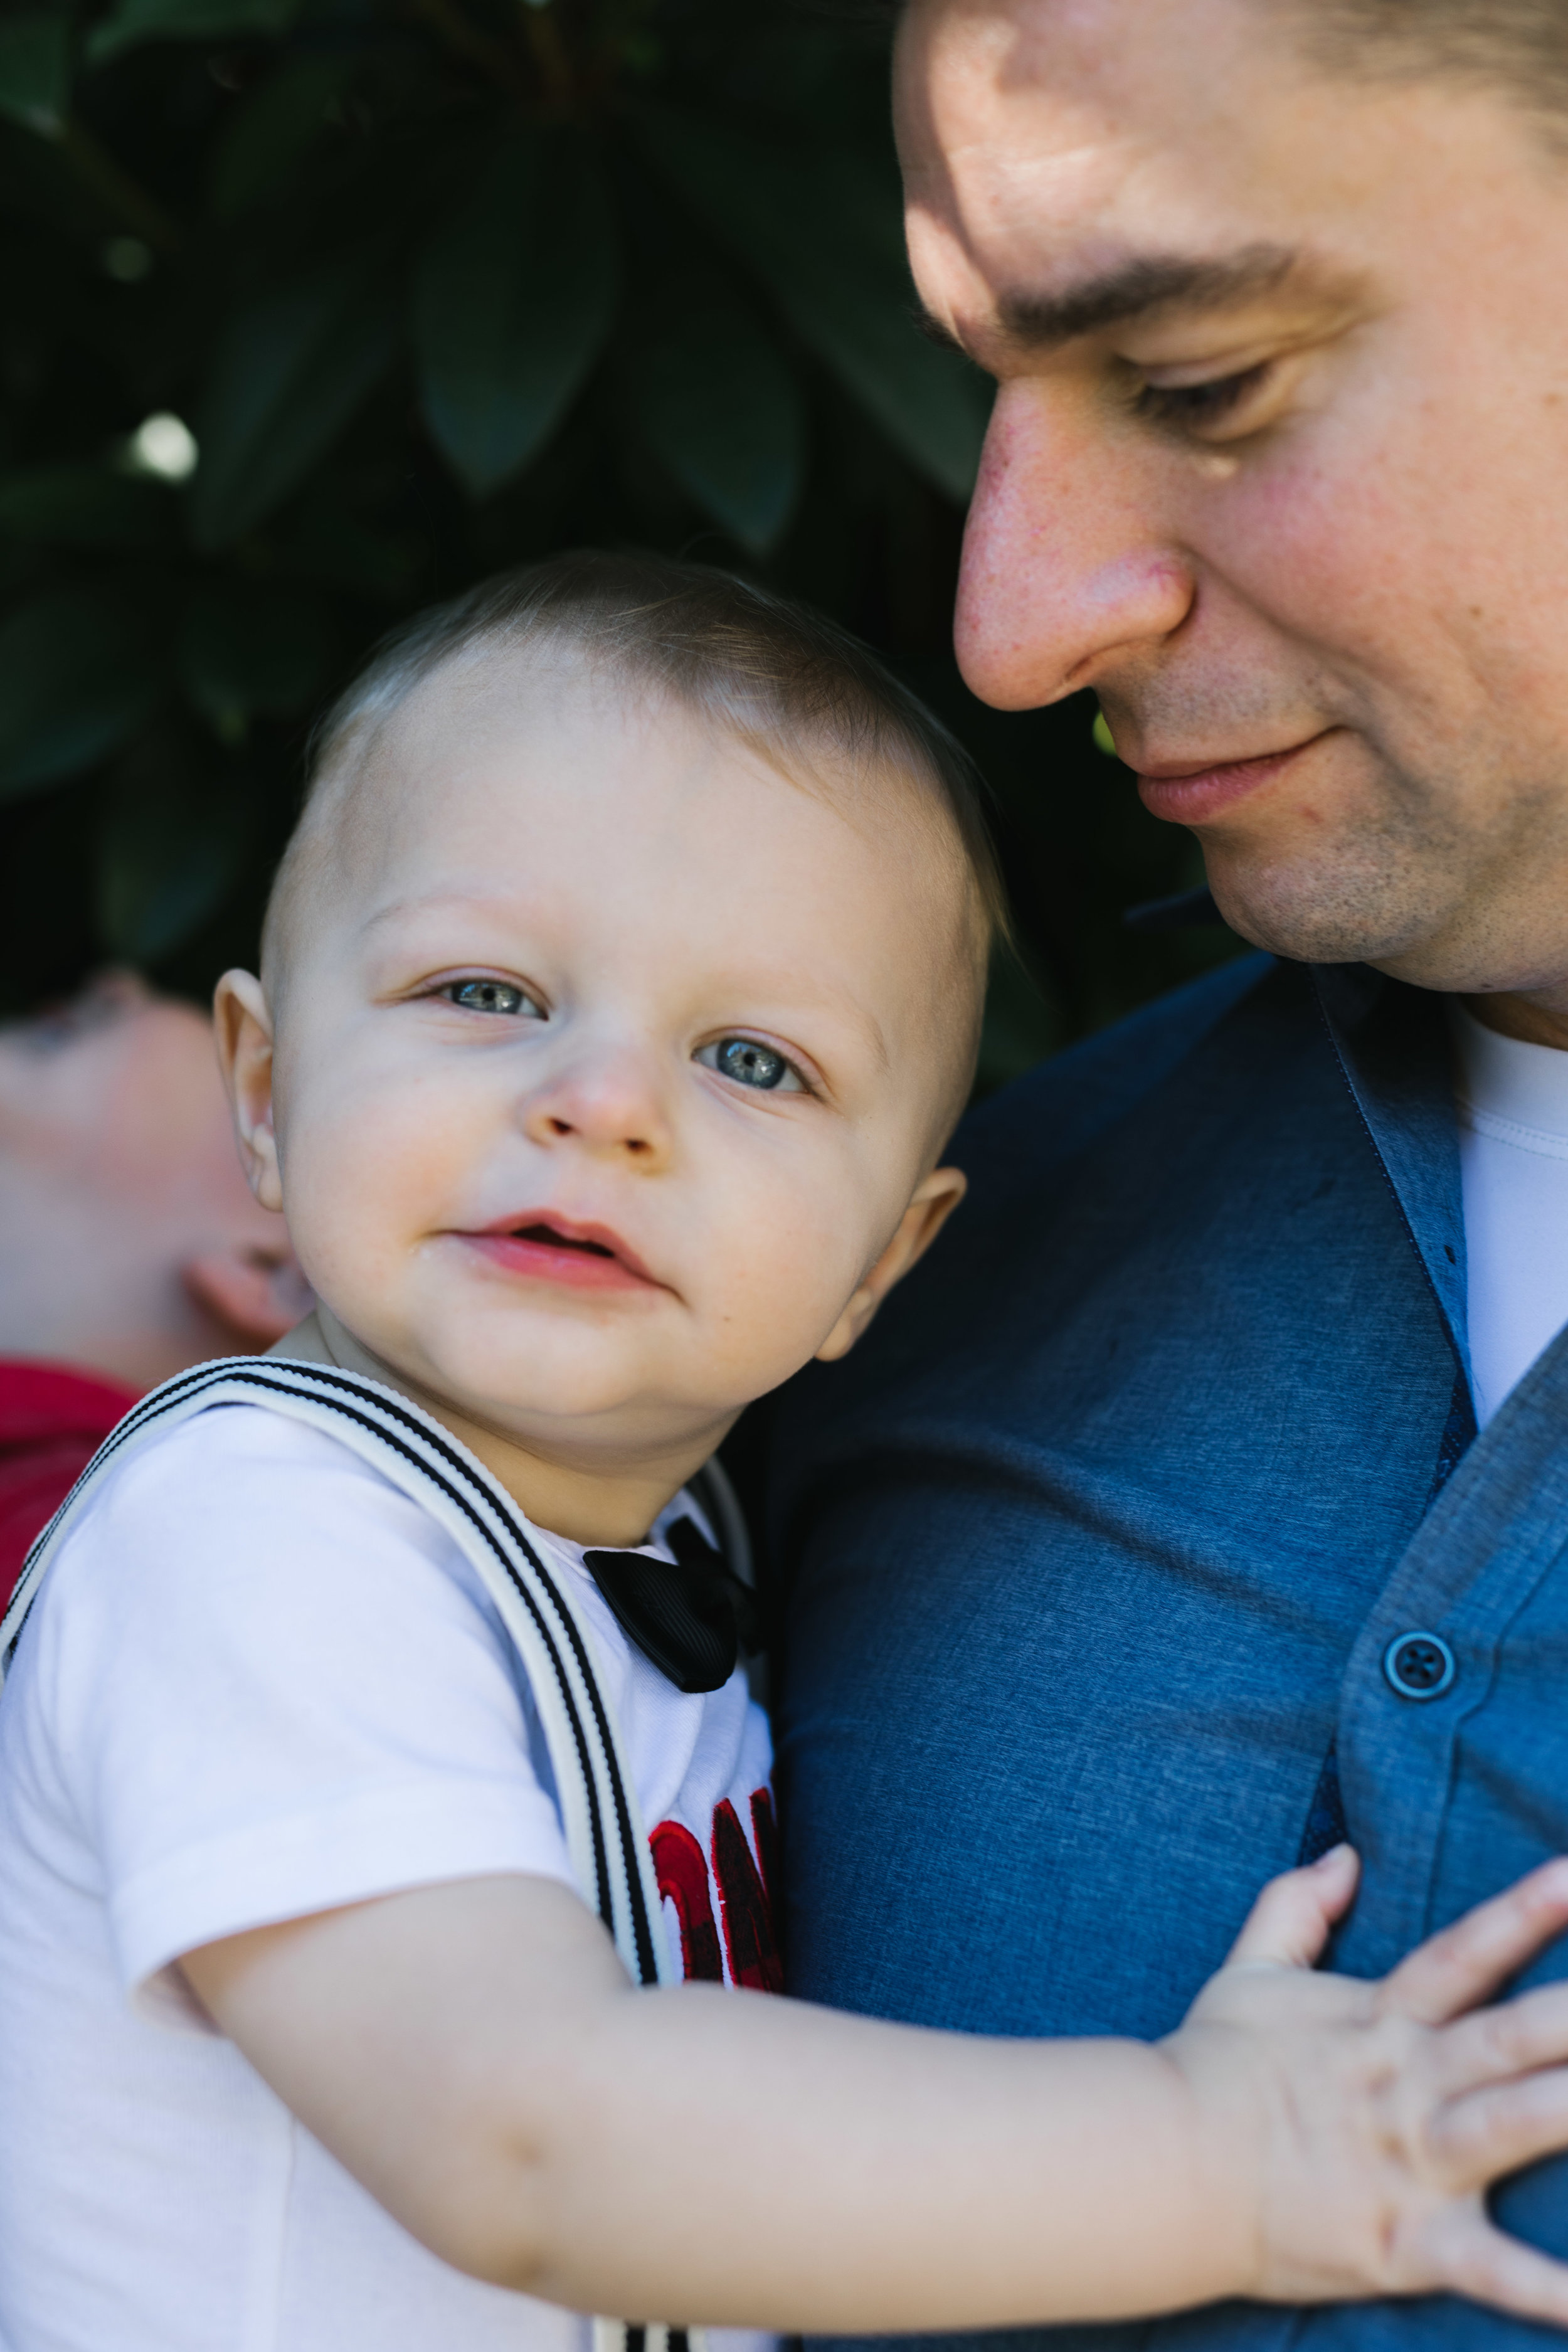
[1362,2124]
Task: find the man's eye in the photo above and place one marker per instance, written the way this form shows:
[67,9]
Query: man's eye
[491,996]
[1199,406]
[751,1063]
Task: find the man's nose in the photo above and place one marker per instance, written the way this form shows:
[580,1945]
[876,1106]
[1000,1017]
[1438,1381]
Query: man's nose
[607,1099]
[1065,573]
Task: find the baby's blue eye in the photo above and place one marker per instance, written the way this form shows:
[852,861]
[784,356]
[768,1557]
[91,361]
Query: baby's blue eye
[489,997]
[750,1063]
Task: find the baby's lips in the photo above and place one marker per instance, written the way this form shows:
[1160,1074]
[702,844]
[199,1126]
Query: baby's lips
[532,1237]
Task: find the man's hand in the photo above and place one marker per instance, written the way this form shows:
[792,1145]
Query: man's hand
[1373,2117]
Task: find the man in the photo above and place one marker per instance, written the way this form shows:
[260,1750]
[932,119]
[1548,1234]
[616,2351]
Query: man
[130,1244]
[1149,1538]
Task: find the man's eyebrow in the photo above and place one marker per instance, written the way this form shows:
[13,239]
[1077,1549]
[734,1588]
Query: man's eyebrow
[1135,289]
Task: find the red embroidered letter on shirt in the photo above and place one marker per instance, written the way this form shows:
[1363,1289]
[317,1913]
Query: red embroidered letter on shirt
[748,1914]
[745,1897]
[682,1870]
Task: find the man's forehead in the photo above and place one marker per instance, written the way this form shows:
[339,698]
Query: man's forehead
[1081,159]
[1079,91]
[1090,65]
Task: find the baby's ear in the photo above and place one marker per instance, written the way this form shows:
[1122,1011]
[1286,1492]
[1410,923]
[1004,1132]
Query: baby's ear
[934,1202]
[242,1025]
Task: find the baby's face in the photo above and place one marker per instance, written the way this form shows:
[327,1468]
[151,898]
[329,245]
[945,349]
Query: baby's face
[607,1060]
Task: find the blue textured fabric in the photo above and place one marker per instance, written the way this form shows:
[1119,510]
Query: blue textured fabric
[1096,1545]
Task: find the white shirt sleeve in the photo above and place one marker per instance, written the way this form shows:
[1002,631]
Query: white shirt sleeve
[270,1686]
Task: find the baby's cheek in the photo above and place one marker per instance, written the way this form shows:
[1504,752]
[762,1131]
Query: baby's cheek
[350,1194]
[780,1274]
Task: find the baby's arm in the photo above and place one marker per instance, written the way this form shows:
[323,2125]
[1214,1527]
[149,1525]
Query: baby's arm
[475,2055]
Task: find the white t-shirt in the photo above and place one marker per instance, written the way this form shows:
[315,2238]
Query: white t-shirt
[260,1680]
[1513,1156]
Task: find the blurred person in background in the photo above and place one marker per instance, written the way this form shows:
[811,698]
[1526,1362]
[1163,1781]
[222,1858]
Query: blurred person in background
[130,1245]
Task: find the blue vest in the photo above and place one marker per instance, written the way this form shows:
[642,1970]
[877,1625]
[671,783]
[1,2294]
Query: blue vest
[1102,1543]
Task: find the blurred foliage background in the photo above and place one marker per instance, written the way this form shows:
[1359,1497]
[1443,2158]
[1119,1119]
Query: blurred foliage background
[318,309]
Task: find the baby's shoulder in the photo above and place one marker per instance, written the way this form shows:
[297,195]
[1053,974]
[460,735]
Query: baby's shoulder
[231,1459]
[240,1495]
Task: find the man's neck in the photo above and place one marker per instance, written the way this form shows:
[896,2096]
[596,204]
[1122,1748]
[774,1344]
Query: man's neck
[1529,1018]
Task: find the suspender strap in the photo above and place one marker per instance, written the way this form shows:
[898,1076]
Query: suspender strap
[611,2335]
[605,1839]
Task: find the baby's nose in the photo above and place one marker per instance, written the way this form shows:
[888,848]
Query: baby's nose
[609,1104]
[629,1143]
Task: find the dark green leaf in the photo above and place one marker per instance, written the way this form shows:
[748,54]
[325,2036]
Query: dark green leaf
[270,132]
[246,647]
[45,893]
[823,231]
[85,506]
[135,21]
[714,397]
[78,672]
[46,197]
[513,299]
[288,373]
[35,70]
[170,851]
[326,544]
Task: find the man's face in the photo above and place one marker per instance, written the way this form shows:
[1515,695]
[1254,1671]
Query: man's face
[1279,463]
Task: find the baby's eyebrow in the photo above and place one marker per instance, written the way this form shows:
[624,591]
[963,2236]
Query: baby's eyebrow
[867,1022]
[431,901]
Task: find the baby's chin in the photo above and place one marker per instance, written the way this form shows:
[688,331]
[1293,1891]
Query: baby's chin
[559,1384]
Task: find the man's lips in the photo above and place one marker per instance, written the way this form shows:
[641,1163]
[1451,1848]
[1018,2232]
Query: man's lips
[557,1249]
[1189,795]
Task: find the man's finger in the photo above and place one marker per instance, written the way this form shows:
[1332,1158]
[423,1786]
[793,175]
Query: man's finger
[1488,2133]
[1483,2263]
[1468,1960]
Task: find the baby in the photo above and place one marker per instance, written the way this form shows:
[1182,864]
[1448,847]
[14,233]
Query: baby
[375,1756]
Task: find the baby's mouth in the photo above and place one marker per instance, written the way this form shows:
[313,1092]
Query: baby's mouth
[580,1257]
[548,1238]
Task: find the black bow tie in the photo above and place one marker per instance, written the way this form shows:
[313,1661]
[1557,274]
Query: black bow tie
[688,1615]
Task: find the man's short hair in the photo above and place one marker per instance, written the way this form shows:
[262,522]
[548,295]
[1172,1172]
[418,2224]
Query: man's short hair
[783,678]
[1518,46]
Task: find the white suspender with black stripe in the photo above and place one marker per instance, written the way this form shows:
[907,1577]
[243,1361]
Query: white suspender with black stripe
[604,1835]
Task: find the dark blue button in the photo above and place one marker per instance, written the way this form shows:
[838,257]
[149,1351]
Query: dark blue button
[1419,1665]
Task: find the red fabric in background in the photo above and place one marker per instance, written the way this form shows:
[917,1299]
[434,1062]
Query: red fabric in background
[52,1423]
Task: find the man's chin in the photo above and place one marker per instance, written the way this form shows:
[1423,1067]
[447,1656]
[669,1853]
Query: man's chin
[1318,917]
